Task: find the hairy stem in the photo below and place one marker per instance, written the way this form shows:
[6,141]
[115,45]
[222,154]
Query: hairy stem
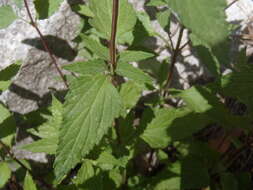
[8,151]
[113,50]
[44,43]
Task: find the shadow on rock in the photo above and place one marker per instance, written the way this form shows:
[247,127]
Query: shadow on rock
[58,46]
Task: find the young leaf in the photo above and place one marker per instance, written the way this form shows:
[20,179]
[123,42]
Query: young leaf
[29,183]
[48,131]
[102,19]
[133,73]
[83,10]
[10,71]
[164,18]
[5,174]
[130,93]
[85,172]
[157,3]
[4,113]
[89,111]
[95,47]
[87,68]
[134,56]
[145,20]
[46,8]
[7,16]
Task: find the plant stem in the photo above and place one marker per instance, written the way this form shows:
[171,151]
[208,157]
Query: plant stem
[113,50]
[175,54]
[8,151]
[44,43]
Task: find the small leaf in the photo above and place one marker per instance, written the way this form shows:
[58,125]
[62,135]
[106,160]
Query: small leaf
[145,20]
[85,172]
[157,3]
[134,56]
[130,93]
[10,71]
[46,8]
[90,108]
[29,183]
[87,68]
[163,18]
[5,174]
[7,16]
[4,113]
[133,73]
[95,47]
[83,10]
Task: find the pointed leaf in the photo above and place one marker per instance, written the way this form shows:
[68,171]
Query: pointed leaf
[134,56]
[29,183]
[90,108]
[133,73]
[7,16]
[5,174]
[85,172]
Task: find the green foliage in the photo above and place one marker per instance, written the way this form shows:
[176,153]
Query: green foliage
[9,16]
[120,124]
[5,173]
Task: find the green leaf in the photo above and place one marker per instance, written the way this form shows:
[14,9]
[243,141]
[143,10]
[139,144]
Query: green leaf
[5,174]
[85,172]
[133,73]
[172,183]
[145,20]
[194,173]
[157,3]
[46,8]
[130,93]
[83,10]
[90,108]
[102,19]
[156,132]
[229,182]
[4,113]
[7,15]
[163,18]
[203,100]
[87,68]
[48,131]
[134,56]
[96,47]
[10,71]
[194,14]
[29,183]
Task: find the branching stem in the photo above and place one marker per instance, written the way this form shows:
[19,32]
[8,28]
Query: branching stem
[45,44]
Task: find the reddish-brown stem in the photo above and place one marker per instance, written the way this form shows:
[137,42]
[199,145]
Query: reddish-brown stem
[44,43]
[8,151]
[175,54]
[113,50]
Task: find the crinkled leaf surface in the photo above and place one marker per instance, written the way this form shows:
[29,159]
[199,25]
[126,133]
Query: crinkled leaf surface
[46,8]
[102,19]
[91,106]
[7,16]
